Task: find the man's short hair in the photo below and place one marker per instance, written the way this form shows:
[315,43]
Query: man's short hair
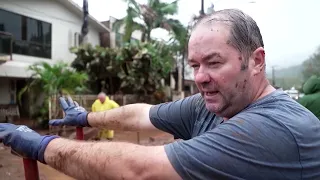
[245,34]
[102,94]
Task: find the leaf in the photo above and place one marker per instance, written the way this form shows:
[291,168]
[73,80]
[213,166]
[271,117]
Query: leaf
[74,50]
[109,68]
[123,84]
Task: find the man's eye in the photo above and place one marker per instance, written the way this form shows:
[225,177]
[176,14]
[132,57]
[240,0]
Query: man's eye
[194,66]
[213,63]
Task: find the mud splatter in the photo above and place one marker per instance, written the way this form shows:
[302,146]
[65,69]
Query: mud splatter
[243,67]
[244,84]
[240,136]
[240,121]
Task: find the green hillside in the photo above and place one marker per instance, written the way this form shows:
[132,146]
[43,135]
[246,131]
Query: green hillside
[287,77]
[296,75]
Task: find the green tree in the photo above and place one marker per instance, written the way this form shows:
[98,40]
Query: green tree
[179,45]
[138,67]
[133,11]
[56,79]
[154,14]
[145,65]
[101,64]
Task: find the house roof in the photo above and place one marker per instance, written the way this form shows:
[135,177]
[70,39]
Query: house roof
[75,8]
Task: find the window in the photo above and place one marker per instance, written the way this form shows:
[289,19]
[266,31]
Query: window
[5,44]
[11,23]
[31,37]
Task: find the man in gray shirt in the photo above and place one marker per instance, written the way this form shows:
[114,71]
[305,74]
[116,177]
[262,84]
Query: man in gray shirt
[272,138]
[238,127]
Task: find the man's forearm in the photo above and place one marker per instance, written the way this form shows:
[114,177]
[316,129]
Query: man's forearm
[102,160]
[128,117]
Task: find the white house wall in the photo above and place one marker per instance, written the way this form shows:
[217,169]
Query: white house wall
[64,24]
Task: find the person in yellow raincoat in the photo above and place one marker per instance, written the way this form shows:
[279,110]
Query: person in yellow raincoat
[103,103]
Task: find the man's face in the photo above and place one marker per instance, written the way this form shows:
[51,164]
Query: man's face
[102,98]
[218,71]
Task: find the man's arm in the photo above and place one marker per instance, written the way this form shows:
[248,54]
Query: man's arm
[109,160]
[176,117]
[132,117]
[114,104]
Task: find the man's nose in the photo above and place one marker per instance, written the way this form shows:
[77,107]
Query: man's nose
[201,77]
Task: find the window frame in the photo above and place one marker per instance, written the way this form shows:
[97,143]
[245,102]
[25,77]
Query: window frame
[25,39]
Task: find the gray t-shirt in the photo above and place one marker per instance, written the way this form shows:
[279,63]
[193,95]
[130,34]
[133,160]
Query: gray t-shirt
[273,138]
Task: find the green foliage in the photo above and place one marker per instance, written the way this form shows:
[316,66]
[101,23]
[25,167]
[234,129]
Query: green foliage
[180,38]
[97,62]
[145,66]
[130,25]
[133,12]
[312,65]
[154,14]
[50,80]
[56,78]
[140,66]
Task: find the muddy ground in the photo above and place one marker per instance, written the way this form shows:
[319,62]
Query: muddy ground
[11,167]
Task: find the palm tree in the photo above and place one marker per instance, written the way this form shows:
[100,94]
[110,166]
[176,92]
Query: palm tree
[51,80]
[55,79]
[154,15]
[133,11]
[180,36]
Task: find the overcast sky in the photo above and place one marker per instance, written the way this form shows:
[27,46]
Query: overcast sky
[290,28]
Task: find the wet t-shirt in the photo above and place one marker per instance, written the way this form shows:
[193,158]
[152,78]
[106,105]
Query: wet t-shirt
[273,138]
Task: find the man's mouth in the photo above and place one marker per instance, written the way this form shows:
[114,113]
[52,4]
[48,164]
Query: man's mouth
[211,93]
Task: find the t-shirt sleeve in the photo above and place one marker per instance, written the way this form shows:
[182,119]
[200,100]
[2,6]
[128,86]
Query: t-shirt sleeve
[237,149]
[176,118]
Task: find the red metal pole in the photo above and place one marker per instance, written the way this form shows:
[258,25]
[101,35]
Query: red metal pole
[31,171]
[79,133]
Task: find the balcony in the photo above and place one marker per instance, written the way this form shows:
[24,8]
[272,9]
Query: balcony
[5,46]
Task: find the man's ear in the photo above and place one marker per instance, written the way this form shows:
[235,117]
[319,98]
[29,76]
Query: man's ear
[258,60]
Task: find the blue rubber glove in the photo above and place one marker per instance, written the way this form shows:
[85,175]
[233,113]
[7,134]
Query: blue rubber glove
[75,114]
[24,141]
